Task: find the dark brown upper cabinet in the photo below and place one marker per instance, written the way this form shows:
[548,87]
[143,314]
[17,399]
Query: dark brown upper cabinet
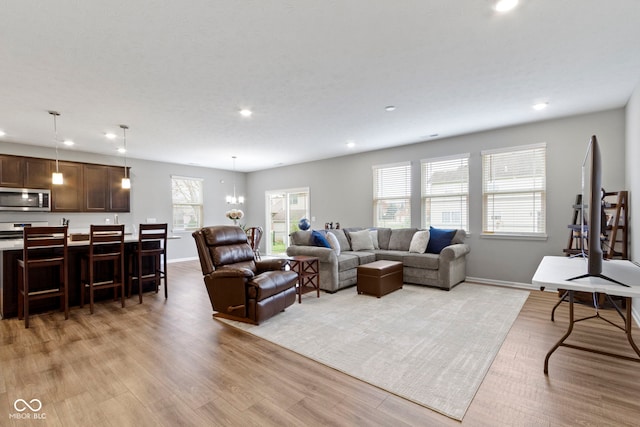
[25,172]
[87,187]
[11,171]
[96,188]
[68,197]
[119,198]
[37,172]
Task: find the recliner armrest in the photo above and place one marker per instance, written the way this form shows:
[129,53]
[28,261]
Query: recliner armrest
[271,264]
[231,272]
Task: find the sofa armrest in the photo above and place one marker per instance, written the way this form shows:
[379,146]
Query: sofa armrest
[452,252]
[323,254]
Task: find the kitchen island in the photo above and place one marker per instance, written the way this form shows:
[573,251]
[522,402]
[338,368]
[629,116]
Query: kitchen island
[11,251]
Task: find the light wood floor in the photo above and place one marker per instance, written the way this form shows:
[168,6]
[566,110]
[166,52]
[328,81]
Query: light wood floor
[169,363]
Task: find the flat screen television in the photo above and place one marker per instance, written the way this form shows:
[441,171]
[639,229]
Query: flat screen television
[594,256]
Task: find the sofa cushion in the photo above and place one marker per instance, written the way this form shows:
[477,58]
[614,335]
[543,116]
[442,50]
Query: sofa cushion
[333,242]
[400,239]
[389,255]
[419,242]
[363,257]
[439,239]
[384,234]
[426,261]
[361,240]
[374,239]
[318,239]
[347,261]
[459,237]
[301,238]
[342,238]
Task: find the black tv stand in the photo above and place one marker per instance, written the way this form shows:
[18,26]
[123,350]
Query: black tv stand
[601,276]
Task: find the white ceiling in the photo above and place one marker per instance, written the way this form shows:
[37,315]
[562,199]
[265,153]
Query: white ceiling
[315,73]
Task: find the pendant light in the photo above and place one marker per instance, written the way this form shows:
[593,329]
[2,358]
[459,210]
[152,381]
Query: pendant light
[126,182]
[56,177]
[233,200]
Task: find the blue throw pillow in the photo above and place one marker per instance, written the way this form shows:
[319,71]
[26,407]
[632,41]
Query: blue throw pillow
[319,239]
[439,239]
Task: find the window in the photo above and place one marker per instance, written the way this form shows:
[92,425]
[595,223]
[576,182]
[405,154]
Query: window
[186,194]
[514,191]
[392,195]
[445,192]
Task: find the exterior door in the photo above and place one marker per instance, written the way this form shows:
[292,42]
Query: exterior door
[284,209]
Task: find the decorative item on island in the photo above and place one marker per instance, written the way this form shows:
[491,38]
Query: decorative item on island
[235,215]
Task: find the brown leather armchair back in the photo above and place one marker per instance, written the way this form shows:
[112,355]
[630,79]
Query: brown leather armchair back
[223,245]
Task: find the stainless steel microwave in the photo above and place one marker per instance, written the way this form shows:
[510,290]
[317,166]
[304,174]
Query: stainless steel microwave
[25,199]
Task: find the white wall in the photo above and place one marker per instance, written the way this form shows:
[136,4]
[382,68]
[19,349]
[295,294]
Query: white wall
[150,195]
[341,188]
[633,179]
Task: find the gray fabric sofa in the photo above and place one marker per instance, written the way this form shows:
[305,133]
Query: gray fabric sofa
[443,270]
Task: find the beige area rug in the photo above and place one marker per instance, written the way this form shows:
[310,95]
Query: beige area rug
[427,345]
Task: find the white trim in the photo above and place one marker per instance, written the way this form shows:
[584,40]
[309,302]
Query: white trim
[171,261]
[391,165]
[446,158]
[514,148]
[503,283]
[187,177]
[514,236]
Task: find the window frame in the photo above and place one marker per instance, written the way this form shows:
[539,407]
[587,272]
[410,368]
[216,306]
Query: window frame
[537,190]
[403,196]
[198,205]
[463,158]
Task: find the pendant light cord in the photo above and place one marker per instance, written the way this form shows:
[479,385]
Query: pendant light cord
[124,136]
[55,133]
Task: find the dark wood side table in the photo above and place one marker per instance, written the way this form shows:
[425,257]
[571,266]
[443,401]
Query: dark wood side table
[308,269]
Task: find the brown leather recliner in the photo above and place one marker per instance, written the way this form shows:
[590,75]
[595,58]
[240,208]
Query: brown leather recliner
[239,287]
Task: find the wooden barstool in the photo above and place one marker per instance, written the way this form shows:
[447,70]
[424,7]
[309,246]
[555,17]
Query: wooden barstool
[103,267]
[43,247]
[152,243]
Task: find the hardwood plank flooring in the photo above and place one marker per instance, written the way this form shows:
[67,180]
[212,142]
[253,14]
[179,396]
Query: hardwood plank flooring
[168,363]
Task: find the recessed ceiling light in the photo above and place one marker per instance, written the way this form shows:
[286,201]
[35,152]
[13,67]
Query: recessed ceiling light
[505,5]
[110,135]
[351,144]
[68,142]
[2,133]
[540,106]
[245,112]
[122,150]
[390,108]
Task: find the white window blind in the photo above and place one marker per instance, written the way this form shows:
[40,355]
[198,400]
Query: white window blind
[514,191]
[445,192]
[187,199]
[392,195]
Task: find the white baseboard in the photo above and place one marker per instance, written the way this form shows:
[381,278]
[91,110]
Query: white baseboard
[634,314]
[170,261]
[504,283]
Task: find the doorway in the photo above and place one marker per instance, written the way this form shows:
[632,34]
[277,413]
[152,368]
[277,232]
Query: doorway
[284,209]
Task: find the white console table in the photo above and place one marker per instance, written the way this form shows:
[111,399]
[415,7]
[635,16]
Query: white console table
[554,273]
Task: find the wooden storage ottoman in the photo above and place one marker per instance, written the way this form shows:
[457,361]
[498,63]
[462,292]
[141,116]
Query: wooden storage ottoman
[379,278]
